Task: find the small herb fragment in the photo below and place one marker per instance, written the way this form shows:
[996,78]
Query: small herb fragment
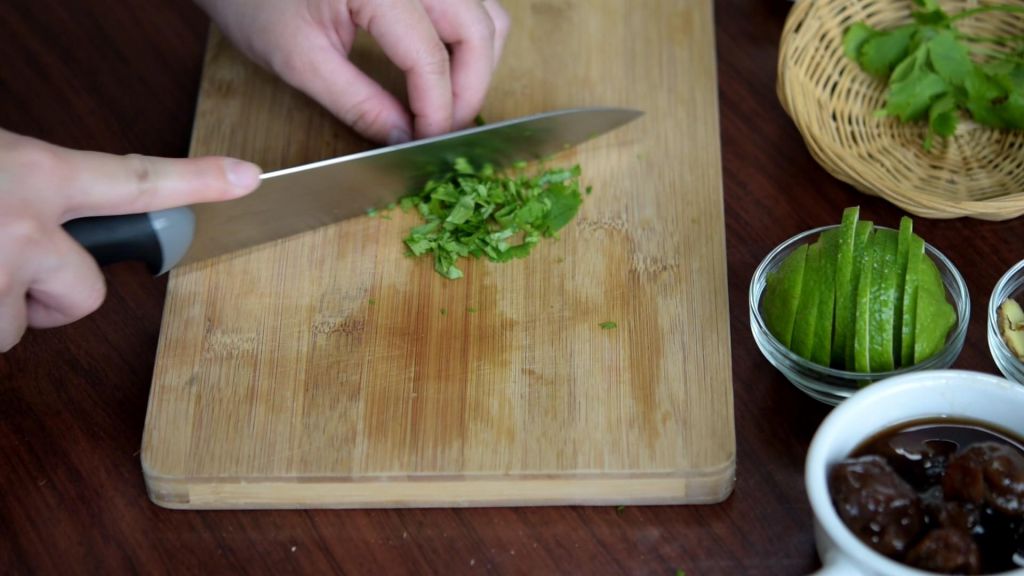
[931,74]
[475,212]
[608,325]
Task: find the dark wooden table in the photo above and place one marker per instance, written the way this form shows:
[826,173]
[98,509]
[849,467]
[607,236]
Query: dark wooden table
[122,77]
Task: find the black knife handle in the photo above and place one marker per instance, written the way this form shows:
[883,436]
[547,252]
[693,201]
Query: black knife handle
[158,239]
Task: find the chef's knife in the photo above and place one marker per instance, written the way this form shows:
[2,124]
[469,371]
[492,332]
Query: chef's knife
[298,199]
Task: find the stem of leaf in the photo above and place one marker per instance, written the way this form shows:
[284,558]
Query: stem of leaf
[1001,40]
[997,55]
[984,9]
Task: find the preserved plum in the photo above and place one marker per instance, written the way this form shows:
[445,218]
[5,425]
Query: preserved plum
[944,496]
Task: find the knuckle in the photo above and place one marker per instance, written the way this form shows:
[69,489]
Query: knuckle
[141,169]
[434,60]
[32,157]
[22,232]
[364,116]
[292,65]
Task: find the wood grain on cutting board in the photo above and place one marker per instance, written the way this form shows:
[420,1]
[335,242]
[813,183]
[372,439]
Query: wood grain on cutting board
[331,370]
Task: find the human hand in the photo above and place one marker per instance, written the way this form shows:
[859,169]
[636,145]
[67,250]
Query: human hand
[46,278]
[307,44]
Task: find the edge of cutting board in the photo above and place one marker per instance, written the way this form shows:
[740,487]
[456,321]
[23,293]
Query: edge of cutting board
[707,487]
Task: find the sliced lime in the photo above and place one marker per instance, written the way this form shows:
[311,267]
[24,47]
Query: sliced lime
[782,295]
[845,285]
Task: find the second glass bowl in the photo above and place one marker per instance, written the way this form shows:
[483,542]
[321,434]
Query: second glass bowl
[1011,285]
[830,385]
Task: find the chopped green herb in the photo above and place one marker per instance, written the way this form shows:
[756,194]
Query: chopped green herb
[620,510]
[608,325]
[932,76]
[479,120]
[444,311]
[475,212]
[372,301]
[680,572]
[371,212]
[471,310]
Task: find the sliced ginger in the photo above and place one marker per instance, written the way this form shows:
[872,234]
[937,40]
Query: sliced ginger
[1011,326]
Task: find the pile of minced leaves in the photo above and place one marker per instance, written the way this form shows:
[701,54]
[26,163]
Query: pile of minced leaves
[475,212]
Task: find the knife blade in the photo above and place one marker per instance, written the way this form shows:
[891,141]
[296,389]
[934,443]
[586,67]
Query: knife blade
[302,198]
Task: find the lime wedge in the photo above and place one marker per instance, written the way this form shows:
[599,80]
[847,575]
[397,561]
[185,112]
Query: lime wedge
[845,285]
[902,253]
[782,295]
[861,268]
[862,322]
[883,300]
[935,315]
[915,254]
[822,353]
[805,320]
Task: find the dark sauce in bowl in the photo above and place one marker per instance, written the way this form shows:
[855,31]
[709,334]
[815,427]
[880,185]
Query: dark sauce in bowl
[942,495]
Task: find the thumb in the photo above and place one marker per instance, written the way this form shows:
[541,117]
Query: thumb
[100,184]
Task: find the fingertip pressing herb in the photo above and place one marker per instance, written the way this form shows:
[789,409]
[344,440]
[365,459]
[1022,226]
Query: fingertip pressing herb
[473,212]
[608,325]
[934,72]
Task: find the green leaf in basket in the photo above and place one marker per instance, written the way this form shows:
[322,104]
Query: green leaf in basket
[942,118]
[982,94]
[883,51]
[855,37]
[912,98]
[950,58]
[1013,111]
[934,71]
[932,14]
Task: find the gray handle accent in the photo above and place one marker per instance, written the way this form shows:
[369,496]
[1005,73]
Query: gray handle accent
[174,228]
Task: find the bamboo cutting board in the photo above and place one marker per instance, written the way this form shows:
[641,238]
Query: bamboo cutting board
[330,370]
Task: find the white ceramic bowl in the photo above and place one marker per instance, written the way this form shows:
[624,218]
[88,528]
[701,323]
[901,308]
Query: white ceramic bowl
[899,399]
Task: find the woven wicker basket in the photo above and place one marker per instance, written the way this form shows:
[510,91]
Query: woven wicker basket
[979,172]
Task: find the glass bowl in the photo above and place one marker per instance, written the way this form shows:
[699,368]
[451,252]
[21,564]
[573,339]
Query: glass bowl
[1010,285]
[830,385]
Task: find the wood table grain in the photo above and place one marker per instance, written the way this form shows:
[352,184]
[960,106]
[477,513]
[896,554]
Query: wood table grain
[122,77]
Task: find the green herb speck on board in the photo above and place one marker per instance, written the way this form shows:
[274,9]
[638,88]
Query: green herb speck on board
[444,311]
[608,325]
[471,310]
[371,301]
